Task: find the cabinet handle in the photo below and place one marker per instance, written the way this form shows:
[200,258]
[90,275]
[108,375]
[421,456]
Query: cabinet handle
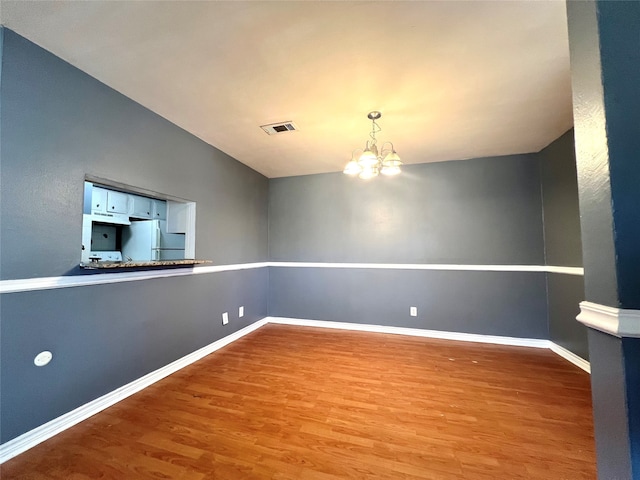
[148,213]
[98,205]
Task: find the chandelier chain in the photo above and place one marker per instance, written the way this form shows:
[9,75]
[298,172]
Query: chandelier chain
[375,128]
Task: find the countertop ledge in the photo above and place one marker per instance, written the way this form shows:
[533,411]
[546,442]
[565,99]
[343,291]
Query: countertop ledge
[157,263]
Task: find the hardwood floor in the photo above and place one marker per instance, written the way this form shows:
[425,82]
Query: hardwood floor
[307,403]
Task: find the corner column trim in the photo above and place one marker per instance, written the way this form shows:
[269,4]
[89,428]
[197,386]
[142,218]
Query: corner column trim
[618,322]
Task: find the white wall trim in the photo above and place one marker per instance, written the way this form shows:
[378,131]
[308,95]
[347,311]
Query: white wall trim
[39,434]
[435,266]
[565,270]
[461,337]
[570,357]
[415,332]
[48,283]
[618,322]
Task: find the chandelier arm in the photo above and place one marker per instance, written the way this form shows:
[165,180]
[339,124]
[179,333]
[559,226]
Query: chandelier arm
[382,150]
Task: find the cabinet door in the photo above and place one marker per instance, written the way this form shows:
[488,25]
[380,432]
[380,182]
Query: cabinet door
[159,209]
[117,202]
[98,199]
[142,207]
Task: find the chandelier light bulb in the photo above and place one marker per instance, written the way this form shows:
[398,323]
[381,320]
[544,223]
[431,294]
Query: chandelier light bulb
[368,173]
[352,168]
[392,159]
[390,170]
[368,159]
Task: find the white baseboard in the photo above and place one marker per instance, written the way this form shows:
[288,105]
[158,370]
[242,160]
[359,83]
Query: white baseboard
[416,332]
[570,357]
[39,434]
[462,337]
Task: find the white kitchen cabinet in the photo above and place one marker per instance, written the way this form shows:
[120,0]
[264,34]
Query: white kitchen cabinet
[177,217]
[181,218]
[117,202]
[98,199]
[141,207]
[159,210]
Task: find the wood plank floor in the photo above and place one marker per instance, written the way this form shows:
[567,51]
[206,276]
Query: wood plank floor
[308,403]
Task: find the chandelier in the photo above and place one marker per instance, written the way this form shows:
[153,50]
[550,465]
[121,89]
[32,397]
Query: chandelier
[371,161]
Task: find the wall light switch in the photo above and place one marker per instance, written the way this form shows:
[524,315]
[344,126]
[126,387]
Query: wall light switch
[413,311]
[225,318]
[241,312]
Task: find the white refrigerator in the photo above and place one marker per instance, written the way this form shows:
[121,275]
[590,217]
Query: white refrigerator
[148,240]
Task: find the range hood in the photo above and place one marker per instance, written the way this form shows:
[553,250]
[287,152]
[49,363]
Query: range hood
[113,218]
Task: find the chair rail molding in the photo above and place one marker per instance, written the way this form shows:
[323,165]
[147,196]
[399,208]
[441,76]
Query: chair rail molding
[618,322]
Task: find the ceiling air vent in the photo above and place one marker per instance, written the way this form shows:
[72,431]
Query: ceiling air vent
[281,127]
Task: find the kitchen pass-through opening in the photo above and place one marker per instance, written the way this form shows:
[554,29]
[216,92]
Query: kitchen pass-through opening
[125,225]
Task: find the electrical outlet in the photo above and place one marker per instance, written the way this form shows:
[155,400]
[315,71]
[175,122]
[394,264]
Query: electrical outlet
[225,318]
[241,312]
[413,311]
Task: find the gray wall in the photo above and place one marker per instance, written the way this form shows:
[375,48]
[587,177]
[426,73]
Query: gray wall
[565,292]
[560,203]
[562,243]
[105,336]
[605,54]
[485,211]
[57,125]
[489,303]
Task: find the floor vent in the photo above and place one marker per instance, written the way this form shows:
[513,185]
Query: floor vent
[281,127]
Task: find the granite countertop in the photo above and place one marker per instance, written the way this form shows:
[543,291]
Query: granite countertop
[157,263]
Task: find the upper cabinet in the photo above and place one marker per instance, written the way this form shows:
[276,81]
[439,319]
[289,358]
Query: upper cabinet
[160,209]
[98,200]
[104,200]
[117,202]
[142,207]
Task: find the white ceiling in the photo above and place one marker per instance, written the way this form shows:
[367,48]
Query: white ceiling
[453,79]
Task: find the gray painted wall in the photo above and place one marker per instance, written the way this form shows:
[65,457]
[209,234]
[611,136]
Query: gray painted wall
[610,417]
[485,211]
[58,124]
[562,243]
[605,53]
[489,303]
[559,180]
[565,292]
[105,336]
